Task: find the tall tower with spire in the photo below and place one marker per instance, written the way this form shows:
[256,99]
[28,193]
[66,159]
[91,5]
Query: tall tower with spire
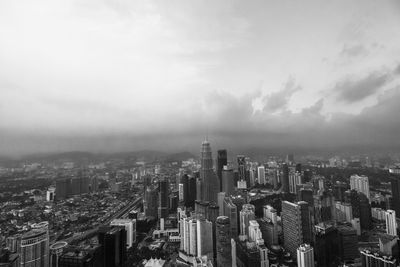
[209,179]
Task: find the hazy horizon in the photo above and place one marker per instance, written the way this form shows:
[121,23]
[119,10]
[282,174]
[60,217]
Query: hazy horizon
[112,76]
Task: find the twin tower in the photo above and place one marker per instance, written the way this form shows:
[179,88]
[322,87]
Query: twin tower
[208,184]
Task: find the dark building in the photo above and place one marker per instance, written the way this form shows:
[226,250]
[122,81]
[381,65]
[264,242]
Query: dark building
[163,199]
[90,256]
[296,225]
[228,183]
[326,245]
[185,183]
[365,212]
[223,238]
[247,254]
[298,167]
[173,201]
[395,183]
[339,191]
[113,241]
[222,160]
[348,243]
[192,192]
[285,178]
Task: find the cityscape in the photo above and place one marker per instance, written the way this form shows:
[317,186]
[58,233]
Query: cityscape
[212,133]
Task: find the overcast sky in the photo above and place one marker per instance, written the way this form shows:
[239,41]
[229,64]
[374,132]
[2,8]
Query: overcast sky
[109,75]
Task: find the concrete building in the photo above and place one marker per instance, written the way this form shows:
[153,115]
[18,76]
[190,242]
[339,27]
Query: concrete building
[130,228]
[223,240]
[360,184]
[391,223]
[305,256]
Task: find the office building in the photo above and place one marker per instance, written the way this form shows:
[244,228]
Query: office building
[241,161]
[269,232]
[261,175]
[205,238]
[391,224]
[326,244]
[222,160]
[296,225]
[295,180]
[150,202]
[221,198]
[255,232]
[209,184]
[184,190]
[113,241]
[35,248]
[246,215]
[230,210]
[395,184]
[223,240]
[348,242]
[56,250]
[305,256]
[228,181]
[163,192]
[130,228]
[50,194]
[360,184]
[285,178]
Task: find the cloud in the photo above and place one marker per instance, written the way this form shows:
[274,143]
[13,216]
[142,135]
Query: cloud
[350,90]
[278,101]
[354,50]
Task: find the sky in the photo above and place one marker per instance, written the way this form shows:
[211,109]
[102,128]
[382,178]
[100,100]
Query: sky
[121,75]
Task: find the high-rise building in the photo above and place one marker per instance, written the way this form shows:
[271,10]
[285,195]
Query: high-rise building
[261,175]
[255,232]
[205,238]
[35,247]
[360,184]
[163,199]
[130,228]
[228,182]
[365,212]
[241,161]
[246,215]
[50,194]
[270,213]
[209,180]
[222,160]
[295,179]
[192,191]
[184,191]
[269,232]
[113,241]
[56,250]
[223,240]
[348,243]
[395,183]
[150,202]
[230,210]
[326,244]
[221,198]
[305,256]
[296,223]
[391,224]
[285,178]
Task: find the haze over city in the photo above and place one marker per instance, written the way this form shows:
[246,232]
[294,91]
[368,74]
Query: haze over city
[129,75]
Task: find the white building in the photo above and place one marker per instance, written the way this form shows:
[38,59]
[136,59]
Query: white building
[391,224]
[261,174]
[305,256]
[255,232]
[270,213]
[130,227]
[360,184]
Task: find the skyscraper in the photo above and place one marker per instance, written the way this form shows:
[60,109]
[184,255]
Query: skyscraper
[391,224]
[223,238]
[150,203]
[246,215]
[222,160]
[228,181]
[35,247]
[296,223]
[285,178]
[56,251]
[360,184]
[305,256]
[209,181]
[230,210]
[205,238]
[261,175]
[395,183]
[241,161]
[183,193]
[130,228]
[113,240]
[163,199]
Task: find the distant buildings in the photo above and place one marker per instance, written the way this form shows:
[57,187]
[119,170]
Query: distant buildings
[67,187]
